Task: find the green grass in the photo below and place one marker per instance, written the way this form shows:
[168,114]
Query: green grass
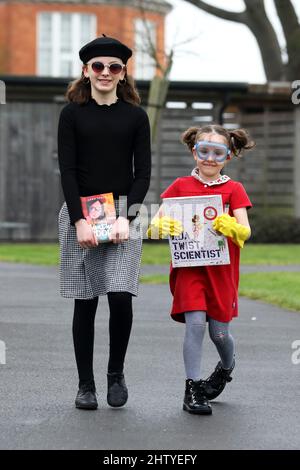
[270,254]
[278,288]
[158,253]
[153,253]
[155,279]
[31,253]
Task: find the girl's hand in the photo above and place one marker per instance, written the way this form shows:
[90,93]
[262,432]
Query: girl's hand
[162,227]
[120,230]
[229,227]
[85,235]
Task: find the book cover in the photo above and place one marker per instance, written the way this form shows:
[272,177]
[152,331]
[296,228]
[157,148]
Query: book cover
[199,244]
[100,212]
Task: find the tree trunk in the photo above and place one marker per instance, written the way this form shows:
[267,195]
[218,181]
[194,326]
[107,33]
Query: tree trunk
[156,101]
[261,27]
[291,30]
[255,17]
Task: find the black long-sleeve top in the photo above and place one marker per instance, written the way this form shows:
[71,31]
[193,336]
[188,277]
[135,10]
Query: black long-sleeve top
[101,149]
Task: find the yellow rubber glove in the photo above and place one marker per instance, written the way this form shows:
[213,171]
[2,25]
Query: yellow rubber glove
[229,227]
[162,227]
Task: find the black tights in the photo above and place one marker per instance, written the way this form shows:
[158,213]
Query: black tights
[120,322]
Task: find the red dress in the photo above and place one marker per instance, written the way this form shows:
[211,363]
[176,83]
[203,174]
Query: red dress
[213,289]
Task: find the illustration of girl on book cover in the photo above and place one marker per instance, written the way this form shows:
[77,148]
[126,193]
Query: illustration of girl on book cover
[96,212]
[99,211]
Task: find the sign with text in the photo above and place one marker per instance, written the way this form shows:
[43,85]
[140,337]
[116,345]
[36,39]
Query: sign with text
[199,244]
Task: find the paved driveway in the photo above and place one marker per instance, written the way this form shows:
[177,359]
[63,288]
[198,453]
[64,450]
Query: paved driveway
[259,409]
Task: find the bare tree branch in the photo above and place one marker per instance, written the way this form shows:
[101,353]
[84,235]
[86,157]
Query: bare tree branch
[150,46]
[287,15]
[254,4]
[186,41]
[263,30]
[255,17]
[238,17]
[160,83]
[291,28]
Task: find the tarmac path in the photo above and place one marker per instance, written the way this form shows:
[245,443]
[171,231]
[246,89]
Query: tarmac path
[259,409]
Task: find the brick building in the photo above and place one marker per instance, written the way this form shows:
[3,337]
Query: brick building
[42,37]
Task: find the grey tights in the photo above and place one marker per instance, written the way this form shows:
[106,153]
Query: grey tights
[193,340]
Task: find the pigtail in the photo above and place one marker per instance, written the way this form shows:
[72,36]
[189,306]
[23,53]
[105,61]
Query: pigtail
[240,140]
[189,137]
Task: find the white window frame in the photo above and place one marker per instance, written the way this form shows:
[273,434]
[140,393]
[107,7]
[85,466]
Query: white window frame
[144,64]
[56,41]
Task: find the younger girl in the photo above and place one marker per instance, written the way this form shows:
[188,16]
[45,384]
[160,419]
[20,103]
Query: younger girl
[208,293]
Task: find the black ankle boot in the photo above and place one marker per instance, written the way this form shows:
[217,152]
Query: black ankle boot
[216,382]
[117,393]
[86,397]
[194,398]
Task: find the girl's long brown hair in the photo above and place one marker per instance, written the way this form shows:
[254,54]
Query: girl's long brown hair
[237,139]
[79,90]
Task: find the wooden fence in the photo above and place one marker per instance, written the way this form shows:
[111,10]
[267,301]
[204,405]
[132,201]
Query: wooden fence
[30,191]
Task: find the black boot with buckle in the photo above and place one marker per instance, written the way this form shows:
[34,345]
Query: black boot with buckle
[195,400]
[86,396]
[216,382]
[117,393]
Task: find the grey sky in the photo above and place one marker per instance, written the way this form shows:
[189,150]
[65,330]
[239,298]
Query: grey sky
[223,50]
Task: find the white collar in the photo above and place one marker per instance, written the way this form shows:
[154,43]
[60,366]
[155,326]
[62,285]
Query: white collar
[222,179]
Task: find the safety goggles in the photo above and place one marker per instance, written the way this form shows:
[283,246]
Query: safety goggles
[218,152]
[113,68]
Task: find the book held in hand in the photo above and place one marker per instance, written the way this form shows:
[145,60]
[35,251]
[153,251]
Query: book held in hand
[199,244]
[100,212]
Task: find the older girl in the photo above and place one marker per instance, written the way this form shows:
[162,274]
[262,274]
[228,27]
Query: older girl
[103,146]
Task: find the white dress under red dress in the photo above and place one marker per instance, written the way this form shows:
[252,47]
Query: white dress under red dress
[213,289]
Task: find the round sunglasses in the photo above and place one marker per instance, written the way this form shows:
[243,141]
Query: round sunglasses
[113,68]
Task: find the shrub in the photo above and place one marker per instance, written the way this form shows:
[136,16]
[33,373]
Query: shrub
[274,229]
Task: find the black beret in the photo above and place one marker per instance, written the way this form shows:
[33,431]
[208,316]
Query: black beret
[105,46]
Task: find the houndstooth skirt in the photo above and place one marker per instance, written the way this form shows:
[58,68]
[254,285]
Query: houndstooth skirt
[89,272]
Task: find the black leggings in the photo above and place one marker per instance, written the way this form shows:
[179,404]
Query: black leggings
[120,322]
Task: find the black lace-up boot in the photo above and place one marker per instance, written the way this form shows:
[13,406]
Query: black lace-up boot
[215,383]
[86,396]
[194,398]
[117,393]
